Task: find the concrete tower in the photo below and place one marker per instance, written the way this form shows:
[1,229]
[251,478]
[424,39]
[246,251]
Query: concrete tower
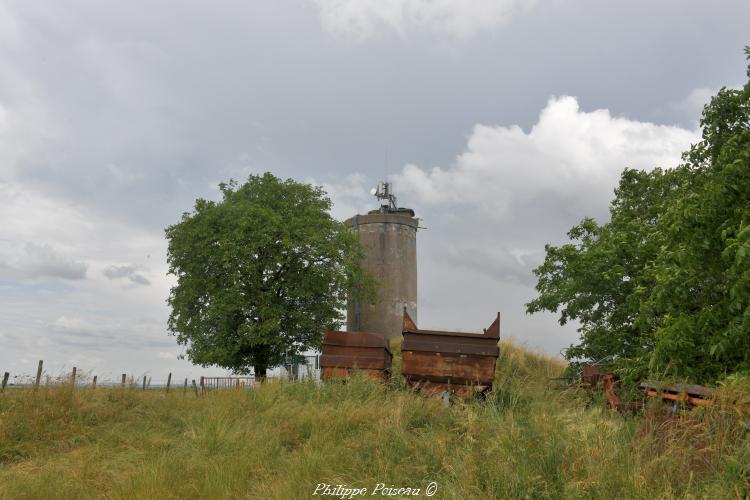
[389,237]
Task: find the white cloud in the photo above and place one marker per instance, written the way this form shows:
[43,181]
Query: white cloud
[71,324]
[692,105]
[690,108]
[360,19]
[508,194]
[569,155]
[349,197]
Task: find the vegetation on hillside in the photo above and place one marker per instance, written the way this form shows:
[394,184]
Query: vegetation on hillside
[283,439]
[664,286]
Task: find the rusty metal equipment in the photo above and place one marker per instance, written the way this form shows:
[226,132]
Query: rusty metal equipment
[691,395]
[591,375]
[438,362]
[344,352]
[609,381]
[687,396]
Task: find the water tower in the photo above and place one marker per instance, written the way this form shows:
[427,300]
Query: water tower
[389,238]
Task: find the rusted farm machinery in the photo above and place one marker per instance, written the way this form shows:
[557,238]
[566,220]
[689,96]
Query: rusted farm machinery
[677,396]
[593,378]
[433,361]
[440,362]
[344,352]
[687,396]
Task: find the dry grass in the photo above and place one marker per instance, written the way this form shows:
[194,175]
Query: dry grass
[281,440]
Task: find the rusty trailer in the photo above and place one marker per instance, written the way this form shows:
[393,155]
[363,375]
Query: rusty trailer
[344,352]
[438,361]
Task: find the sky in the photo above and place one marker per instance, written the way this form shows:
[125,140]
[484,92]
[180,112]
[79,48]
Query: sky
[502,123]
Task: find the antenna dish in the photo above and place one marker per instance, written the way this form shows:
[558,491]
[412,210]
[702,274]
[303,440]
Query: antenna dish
[374,191]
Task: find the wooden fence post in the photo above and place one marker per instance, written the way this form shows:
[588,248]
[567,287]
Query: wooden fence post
[93,383]
[38,374]
[5,381]
[144,383]
[184,389]
[169,381]
[123,380]
[196,388]
[203,386]
[73,378]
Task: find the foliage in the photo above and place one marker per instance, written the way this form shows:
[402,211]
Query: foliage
[664,286]
[260,274]
[600,279]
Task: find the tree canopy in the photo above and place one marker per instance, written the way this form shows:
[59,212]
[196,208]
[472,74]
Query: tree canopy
[260,274]
[664,286]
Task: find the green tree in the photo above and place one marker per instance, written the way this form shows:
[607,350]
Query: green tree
[601,277]
[664,286]
[700,304]
[260,274]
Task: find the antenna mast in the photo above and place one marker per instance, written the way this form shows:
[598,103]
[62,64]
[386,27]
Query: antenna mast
[387,199]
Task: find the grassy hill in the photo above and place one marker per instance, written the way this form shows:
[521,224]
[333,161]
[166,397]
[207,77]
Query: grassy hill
[283,439]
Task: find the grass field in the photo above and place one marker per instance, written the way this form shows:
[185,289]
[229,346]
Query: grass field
[283,439]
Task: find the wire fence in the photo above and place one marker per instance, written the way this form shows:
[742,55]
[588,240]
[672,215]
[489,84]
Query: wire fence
[306,368]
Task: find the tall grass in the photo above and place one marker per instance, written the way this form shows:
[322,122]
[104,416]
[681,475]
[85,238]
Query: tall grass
[282,439]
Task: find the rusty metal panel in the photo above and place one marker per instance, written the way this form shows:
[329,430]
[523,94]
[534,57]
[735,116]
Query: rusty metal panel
[330,372]
[441,359]
[345,351]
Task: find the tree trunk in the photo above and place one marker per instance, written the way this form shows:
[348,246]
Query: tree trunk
[260,373]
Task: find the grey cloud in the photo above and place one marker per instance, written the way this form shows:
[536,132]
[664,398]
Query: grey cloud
[325,110]
[501,264]
[360,19]
[42,261]
[114,272]
[128,272]
[103,334]
[139,279]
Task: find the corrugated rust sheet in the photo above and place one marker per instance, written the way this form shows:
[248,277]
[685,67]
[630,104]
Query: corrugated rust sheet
[436,361]
[346,351]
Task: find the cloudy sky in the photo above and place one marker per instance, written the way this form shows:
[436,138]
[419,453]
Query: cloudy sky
[501,122]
